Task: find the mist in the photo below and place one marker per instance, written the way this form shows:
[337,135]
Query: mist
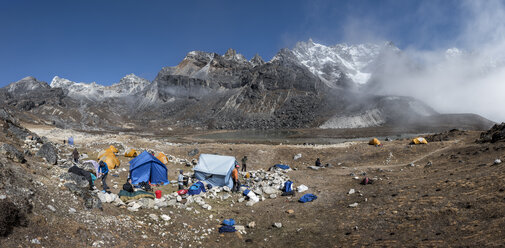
[464,75]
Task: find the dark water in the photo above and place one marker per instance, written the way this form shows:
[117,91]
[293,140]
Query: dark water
[288,137]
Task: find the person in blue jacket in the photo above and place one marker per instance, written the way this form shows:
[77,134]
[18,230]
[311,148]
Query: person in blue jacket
[103,171]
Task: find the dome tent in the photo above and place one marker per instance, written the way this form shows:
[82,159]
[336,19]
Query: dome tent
[147,168]
[215,169]
[419,140]
[162,157]
[131,153]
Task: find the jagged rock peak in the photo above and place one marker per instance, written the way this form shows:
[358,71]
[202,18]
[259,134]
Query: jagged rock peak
[285,55]
[199,55]
[257,60]
[26,84]
[232,54]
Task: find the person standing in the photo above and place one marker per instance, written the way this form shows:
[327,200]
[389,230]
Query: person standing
[75,155]
[244,163]
[234,176]
[103,171]
[180,180]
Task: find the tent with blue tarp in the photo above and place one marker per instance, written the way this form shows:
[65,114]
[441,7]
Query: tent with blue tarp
[147,168]
[282,166]
[215,169]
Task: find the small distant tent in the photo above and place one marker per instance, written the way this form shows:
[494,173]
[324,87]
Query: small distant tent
[419,140]
[147,168]
[215,169]
[131,153]
[162,157]
[71,140]
[374,142]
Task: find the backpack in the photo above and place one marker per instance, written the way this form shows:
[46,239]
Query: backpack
[288,186]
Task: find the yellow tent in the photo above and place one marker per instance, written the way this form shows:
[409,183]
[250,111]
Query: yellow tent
[131,153]
[113,149]
[419,140]
[109,157]
[162,157]
[111,160]
[374,142]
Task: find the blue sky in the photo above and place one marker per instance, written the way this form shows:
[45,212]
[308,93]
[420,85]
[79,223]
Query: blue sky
[102,41]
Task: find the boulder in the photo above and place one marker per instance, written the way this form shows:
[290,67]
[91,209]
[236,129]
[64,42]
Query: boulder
[269,190]
[91,201]
[80,181]
[12,153]
[193,152]
[277,224]
[49,152]
[146,202]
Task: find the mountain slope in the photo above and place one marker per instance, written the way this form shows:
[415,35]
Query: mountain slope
[308,87]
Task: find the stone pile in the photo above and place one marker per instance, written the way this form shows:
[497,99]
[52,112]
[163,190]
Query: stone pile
[263,184]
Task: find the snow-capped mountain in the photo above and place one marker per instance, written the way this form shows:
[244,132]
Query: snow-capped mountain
[311,85]
[128,85]
[333,63]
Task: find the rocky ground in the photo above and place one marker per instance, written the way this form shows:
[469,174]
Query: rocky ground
[449,192]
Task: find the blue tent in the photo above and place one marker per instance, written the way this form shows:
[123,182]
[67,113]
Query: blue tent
[215,169]
[145,167]
[71,140]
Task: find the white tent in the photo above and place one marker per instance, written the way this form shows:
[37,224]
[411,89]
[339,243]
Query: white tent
[215,169]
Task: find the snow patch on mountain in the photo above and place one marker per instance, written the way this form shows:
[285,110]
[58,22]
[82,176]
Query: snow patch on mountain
[329,62]
[369,118]
[128,85]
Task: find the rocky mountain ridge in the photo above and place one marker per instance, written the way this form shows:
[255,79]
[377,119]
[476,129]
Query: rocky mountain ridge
[309,86]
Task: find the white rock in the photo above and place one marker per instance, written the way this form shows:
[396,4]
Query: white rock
[351,191]
[165,217]
[497,161]
[154,217]
[241,199]
[273,196]
[353,205]
[251,224]
[278,224]
[2,197]
[226,188]
[297,156]
[35,241]
[269,190]
[72,210]
[239,228]
[302,188]
[51,208]
[179,198]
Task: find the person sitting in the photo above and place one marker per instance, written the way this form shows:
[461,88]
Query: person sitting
[128,186]
[318,162]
